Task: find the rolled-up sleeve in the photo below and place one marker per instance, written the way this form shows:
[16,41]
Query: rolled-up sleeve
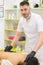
[20,28]
[40,24]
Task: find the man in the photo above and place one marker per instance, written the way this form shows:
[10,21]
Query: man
[32,25]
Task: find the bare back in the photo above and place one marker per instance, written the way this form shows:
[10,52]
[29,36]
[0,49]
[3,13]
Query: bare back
[14,58]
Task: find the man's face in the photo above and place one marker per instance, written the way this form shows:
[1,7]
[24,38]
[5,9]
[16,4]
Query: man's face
[25,10]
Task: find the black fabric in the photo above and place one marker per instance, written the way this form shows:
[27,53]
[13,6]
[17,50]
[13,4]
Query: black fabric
[36,5]
[22,38]
[8,48]
[29,56]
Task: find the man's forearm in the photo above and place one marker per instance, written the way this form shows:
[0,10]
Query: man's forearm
[17,36]
[39,43]
[14,40]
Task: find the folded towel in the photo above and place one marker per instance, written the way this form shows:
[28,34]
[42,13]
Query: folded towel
[6,62]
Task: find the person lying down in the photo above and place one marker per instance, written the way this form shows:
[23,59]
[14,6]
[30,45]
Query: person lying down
[17,58]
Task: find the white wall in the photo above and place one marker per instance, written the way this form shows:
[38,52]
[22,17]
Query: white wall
[11,3]
[1,33]
[1,27]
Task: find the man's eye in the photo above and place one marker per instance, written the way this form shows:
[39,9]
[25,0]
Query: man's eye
[21,10]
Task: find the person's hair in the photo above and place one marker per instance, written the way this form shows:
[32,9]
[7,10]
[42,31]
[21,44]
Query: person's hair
[24,3]
[33,61]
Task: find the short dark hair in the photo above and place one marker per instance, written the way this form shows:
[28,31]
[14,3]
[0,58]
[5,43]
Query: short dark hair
[33,61]
[24,3]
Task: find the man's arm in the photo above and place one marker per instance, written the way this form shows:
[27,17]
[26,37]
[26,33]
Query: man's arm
[17,36]
[40,42]
[37,47]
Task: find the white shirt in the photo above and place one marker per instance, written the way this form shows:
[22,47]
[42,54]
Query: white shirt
[31,29]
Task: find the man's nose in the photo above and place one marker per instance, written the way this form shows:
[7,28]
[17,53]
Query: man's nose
[23,12]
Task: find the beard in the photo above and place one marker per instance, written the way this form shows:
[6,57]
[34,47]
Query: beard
[27,15]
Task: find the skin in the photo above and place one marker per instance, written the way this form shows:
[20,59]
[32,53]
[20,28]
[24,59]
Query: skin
[14,58]
[25,11]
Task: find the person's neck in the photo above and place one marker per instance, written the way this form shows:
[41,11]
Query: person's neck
[27,19]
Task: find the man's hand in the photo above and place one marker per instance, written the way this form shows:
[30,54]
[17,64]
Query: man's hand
[29,56]
[8,48]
